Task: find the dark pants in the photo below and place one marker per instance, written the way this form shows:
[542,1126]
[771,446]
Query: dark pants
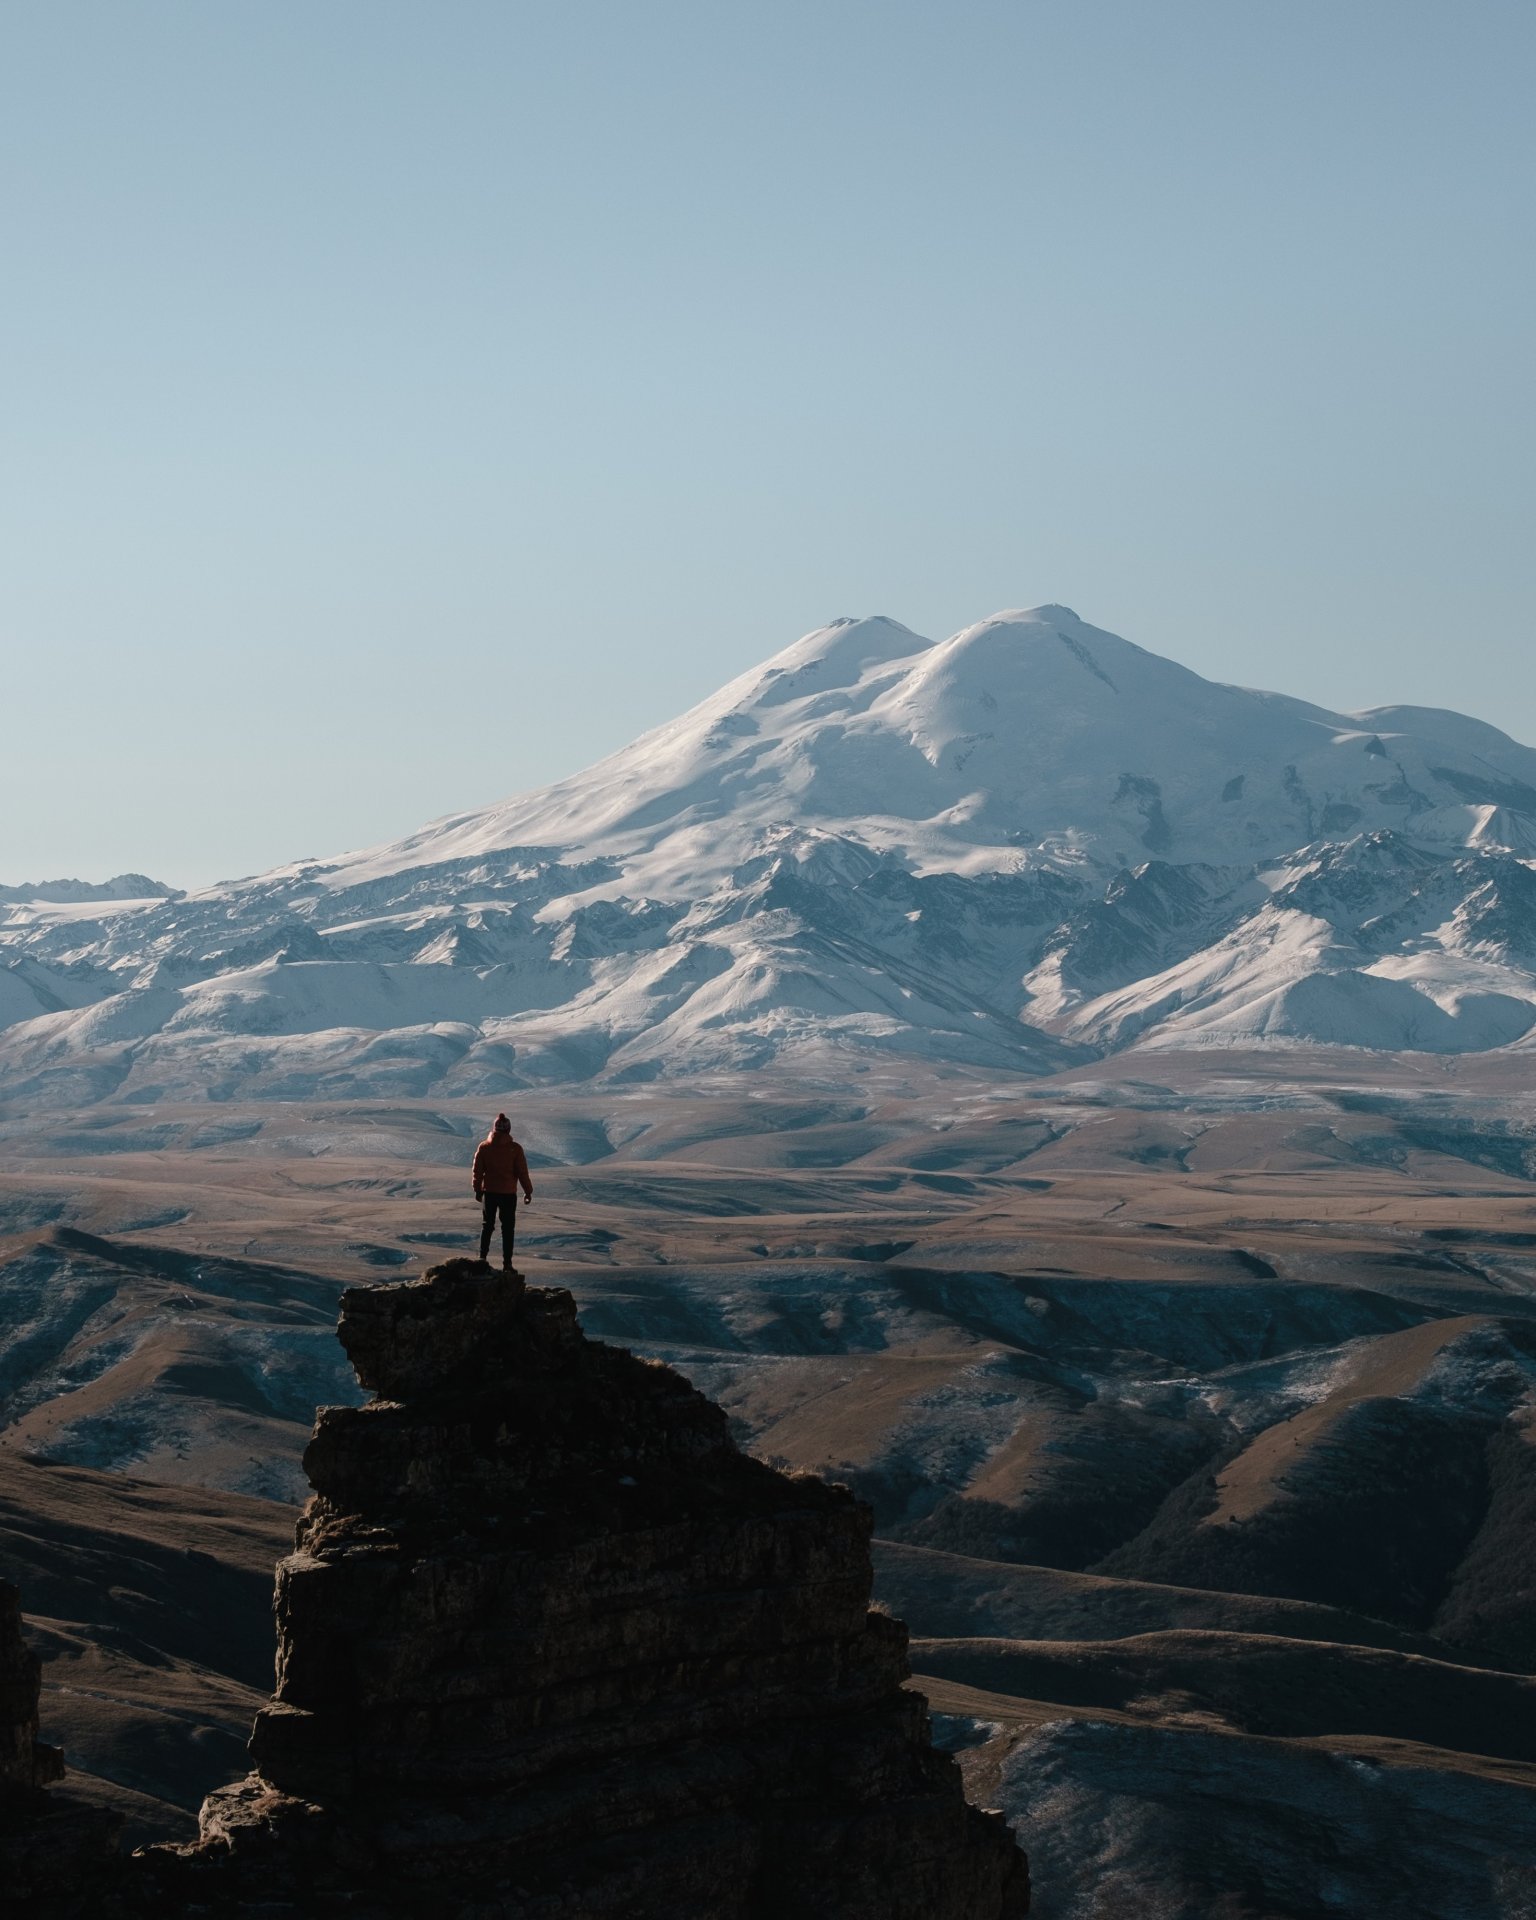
[506,1205]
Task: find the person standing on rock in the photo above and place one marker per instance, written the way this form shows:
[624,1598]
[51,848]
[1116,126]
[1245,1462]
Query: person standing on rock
[501,1167]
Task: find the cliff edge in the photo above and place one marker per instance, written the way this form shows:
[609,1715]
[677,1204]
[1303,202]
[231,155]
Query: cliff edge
[551,1645]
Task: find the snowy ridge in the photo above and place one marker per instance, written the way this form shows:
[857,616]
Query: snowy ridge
[123,887]
[1028,840]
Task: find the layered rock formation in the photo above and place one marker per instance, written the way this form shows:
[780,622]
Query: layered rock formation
[52,1849]
[550,1645]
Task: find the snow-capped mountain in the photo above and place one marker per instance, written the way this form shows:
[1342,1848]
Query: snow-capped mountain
[1023,842]
[124,886]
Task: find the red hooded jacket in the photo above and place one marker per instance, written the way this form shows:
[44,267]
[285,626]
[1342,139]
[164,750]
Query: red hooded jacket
[500,1166]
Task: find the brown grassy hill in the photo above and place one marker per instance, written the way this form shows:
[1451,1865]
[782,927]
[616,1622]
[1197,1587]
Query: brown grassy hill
[178,1367]
[1258,1683]
[151,1609]
[947,1596]
[1404,1493]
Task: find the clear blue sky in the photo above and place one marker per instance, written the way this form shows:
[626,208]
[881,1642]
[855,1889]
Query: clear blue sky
[406,404]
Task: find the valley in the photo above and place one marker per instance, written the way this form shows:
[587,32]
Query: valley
[1194,1410]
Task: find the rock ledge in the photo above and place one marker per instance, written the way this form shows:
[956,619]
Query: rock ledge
[550,1646]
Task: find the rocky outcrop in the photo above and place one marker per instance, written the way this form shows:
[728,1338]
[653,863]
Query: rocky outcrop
[25,1763]
[53,1850]
[551,1645]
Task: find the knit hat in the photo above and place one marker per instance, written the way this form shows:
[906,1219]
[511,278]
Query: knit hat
[503,1124]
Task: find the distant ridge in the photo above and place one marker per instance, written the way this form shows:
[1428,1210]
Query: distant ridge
[124,886]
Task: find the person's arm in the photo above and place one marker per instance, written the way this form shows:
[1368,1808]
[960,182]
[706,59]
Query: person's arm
[522,1174]
[478,1175]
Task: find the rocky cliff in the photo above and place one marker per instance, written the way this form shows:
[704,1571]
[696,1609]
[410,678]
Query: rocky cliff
[551,1645]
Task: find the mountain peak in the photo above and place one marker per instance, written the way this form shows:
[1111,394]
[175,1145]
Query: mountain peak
[1049,615]
[837,655]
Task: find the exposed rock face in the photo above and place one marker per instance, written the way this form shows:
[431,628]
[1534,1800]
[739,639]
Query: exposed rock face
[51,1848]
[25,1763]
[550,1645]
